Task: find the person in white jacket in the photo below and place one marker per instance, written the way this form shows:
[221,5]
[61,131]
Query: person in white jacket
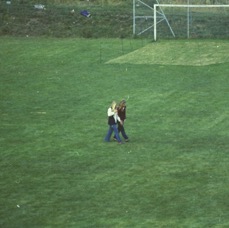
[112,122]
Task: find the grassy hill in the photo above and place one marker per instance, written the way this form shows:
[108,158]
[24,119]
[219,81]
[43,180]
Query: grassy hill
[59,20]
[108,19]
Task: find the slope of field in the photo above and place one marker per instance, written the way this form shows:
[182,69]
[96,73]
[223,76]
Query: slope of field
[192,53]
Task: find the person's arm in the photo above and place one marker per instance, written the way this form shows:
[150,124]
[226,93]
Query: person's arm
[110,112]
[119,120]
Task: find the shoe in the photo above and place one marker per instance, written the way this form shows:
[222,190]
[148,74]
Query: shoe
[114,139]
[126,140]
[120,142]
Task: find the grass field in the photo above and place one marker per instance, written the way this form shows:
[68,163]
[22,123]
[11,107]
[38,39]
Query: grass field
[56,171]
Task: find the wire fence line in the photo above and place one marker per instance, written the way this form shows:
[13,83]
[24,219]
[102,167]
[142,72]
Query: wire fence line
[26,18]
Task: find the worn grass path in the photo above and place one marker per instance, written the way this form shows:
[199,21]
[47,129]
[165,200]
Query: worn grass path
[186,53]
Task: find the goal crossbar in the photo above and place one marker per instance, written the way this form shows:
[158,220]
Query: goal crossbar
[190,6]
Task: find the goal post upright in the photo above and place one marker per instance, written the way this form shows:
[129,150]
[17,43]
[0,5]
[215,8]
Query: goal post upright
[155,22]
[151,17]
[188,13]
[134,22]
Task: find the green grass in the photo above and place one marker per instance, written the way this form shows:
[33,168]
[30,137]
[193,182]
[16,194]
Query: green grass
[56,171]
[193,53]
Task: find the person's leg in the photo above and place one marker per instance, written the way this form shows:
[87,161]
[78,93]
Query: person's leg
[116,133]
[119,127]
[124,135]
[109,133]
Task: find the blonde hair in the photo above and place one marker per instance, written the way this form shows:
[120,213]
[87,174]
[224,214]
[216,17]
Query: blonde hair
[113,105]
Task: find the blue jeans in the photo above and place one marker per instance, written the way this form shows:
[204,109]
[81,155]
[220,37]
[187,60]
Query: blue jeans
[112,128]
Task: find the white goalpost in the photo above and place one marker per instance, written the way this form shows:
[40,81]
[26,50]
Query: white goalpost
[161,18]
[160,8]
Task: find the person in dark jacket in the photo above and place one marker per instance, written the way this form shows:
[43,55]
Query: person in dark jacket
[122,115]
[112,122]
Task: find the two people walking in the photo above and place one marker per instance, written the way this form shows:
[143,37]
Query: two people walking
[116,115]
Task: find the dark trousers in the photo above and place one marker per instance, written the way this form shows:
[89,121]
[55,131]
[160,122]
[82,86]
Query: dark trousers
[122,130]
